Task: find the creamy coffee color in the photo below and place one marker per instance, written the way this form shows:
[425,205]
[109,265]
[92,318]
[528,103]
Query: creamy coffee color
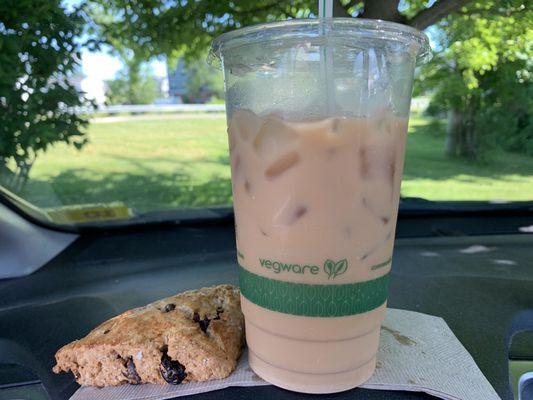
[315,212]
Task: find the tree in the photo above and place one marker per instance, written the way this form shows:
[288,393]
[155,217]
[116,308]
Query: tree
[160,28]
[203,81]
[506,116]
[38,54]
[132,86]
[481,77]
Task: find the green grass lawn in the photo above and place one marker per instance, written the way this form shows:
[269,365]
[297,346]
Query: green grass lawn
[431,175]
[162,164]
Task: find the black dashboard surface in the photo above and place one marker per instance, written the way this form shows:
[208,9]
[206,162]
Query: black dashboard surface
[483,299]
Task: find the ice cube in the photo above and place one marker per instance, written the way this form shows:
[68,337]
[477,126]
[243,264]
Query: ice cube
[343,126]
[245,124]
[364,165]
[296,214]
[385,241]
[378,200]
[282,164]
[380,207]
[275,138]
[384,124]
[231,138]
[382,121]
[247,186]
[290,213]
[392,170]
[235,164]
[377,162]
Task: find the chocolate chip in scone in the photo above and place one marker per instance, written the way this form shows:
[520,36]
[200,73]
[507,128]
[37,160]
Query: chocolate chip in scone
[107,331]
[220,310]
[131,371]
[204,323]
[169,307]
[172,371]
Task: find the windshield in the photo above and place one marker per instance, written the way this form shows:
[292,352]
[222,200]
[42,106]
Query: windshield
[104,121]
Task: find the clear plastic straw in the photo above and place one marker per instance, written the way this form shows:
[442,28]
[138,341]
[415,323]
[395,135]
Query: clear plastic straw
[325,10]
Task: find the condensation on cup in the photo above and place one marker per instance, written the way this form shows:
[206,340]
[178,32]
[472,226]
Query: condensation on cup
[317,120]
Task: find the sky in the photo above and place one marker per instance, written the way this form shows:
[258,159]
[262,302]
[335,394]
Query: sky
[104,66]
[101,66]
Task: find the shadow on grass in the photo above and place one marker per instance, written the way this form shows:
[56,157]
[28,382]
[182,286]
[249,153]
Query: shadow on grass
[140,162]
[425,159]
[140,191]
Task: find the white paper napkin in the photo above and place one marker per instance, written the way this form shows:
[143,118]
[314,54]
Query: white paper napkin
[417,352]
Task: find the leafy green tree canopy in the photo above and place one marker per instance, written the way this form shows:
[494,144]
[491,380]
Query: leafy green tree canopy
[132,88]
[141,29]
[38,53]
[162,27]
[482,74]
[203,79]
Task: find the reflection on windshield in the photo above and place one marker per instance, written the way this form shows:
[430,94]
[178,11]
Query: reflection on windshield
[110,135]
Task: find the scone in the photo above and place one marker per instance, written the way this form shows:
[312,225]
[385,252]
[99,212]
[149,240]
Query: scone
[192,336]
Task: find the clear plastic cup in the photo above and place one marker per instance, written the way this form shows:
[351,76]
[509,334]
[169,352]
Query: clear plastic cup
[317,121]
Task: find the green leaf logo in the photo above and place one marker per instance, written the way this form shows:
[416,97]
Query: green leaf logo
[329,267]
[334,269]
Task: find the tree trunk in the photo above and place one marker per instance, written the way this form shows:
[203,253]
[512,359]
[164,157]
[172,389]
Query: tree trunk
[436,12]
[388,10]
[339,10]
[469,149]
[454,133]
[469,144]
[21,175]
[5,172]
[461,138]
[134,77]
[383,9]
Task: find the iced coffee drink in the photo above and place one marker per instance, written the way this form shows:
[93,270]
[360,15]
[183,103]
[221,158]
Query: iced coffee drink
[317,119]
[315,207]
